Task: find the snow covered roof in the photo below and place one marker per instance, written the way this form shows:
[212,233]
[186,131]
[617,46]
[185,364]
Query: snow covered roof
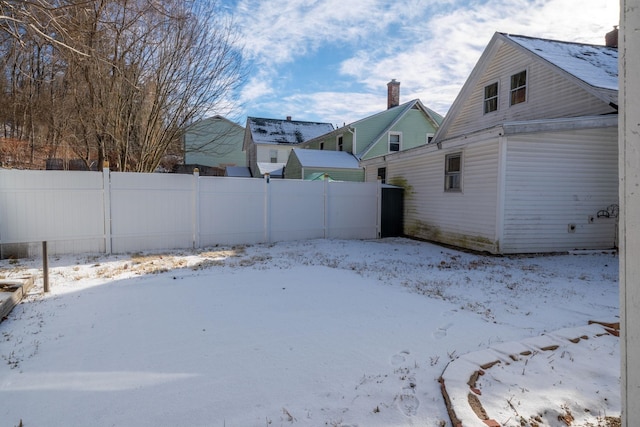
[595,65]
[276,131]
[326,159]
[273,169]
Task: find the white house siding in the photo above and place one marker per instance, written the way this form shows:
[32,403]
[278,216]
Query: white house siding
[549,95]
[556,179]
[465,219]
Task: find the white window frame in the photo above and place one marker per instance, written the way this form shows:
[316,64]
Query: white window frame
[524,87]
[340,142]
[399,135]
[453,176]
[273,156]
[495,97]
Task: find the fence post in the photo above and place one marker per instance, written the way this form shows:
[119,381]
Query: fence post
[106,203]
[267,208]
[379,208]
[45,267]
[196,208]
[326,205]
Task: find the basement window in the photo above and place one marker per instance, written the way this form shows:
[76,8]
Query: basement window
[453,172]
[491,98]
[519,88]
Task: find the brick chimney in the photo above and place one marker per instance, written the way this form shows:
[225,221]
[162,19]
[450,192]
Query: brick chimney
[393,94]
[611,38]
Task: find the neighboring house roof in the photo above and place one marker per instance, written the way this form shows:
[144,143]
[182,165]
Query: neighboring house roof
[238,171]
[276,131]
[325,159]
[392,116]
[401,110]
[319,176]
[273,169]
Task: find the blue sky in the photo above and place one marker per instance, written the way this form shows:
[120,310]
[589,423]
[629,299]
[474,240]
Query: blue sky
[330,60]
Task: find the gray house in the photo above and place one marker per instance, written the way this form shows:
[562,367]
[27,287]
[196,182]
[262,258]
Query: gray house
[526,160]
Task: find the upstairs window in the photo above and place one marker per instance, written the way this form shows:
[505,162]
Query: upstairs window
[453,172]
[340,143]
[394,142]
[519,88]
[322,145]
[491,98]
[273,155]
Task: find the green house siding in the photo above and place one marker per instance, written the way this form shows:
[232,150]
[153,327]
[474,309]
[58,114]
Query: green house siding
[414,127]
[354,175]
[214,142]
[331,142]
[293,169]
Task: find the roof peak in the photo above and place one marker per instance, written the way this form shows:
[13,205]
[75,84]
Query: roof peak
[509,35]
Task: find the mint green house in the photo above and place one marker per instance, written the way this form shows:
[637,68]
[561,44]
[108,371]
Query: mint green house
[215,142]
[398,128]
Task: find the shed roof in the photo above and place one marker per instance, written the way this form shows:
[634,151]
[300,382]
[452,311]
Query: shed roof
[276,131]
[238,171]
[325,159]
[273,169]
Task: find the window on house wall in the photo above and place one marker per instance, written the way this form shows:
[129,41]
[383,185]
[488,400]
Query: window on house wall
[322,145]
[382,175]
[491,98]
[394,142]
[453,172]
[273,155]
[519,88]
[429,137]
[339,143]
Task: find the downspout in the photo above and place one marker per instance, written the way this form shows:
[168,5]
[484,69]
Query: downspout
[354,149]
[501,191]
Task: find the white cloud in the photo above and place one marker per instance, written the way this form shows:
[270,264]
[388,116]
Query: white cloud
[337,108]
[430,47]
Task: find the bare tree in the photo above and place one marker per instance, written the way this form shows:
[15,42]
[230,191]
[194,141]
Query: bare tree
[121,78]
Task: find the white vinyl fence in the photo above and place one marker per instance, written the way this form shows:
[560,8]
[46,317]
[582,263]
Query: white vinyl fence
[117,212]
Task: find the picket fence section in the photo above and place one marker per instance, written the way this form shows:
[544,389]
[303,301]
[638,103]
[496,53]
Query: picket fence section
[118,212]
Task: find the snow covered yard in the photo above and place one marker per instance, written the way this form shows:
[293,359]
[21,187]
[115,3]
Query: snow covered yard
[309,333]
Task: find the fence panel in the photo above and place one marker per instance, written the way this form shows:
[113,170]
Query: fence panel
[124,212]
[231,211]
[353,210]
[151,211]
[52,205]
[297,210]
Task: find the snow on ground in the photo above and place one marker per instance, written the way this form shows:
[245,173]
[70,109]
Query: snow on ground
[309,333]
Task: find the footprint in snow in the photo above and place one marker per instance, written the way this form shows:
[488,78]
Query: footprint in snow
[408,404]
[441,332]
[400,358]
